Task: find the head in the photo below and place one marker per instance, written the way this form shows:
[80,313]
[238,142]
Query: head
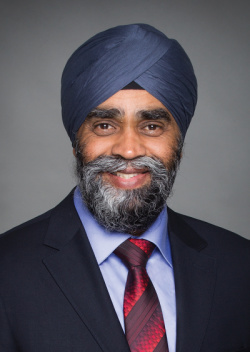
[128,142]
[128,151]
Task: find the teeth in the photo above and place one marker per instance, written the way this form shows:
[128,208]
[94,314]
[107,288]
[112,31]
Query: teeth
[127,176]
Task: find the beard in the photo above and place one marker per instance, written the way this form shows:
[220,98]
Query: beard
[130,211]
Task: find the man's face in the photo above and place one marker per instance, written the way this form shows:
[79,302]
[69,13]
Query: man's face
[130,144]
[130,124]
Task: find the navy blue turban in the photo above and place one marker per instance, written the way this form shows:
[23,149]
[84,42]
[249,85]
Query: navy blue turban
[112,59]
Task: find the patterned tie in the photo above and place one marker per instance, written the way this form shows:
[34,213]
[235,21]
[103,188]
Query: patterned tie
[144,325]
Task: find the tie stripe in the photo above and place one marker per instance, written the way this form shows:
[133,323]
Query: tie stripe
[144,325]
[132,255]
[161,347]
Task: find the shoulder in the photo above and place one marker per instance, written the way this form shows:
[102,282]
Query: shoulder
[206,230]
[32,232]
[35,226]
[22,250]
[225,245]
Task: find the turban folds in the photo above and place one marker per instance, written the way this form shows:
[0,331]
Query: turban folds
[112,59]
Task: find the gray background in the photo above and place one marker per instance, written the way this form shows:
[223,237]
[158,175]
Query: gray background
[37,37]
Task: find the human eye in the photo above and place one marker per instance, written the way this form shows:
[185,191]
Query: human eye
[103,129]
[152,129]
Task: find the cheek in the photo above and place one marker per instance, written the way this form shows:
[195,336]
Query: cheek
[92,148]
[161,149]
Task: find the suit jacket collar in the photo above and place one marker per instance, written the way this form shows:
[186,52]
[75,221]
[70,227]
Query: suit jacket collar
[64,223]
[195,274]
[73,266]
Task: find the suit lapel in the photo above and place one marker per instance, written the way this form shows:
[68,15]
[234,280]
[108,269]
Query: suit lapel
[76,272]
[194,282]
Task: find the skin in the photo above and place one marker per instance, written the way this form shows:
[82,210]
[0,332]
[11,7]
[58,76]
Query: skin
[130,124]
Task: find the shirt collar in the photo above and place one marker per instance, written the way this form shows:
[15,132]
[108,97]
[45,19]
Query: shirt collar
[103,242]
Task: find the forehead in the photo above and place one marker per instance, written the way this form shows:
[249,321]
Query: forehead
[130,100]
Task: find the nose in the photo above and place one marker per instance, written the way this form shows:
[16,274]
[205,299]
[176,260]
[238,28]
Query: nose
[128,145]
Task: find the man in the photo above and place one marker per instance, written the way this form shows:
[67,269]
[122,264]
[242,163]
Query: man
[111,268]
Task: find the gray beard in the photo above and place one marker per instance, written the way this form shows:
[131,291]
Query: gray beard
[126,211]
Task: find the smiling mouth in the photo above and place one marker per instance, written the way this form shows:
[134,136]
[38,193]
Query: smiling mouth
[127,176]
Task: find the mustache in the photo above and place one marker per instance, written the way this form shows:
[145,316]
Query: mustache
[114,164]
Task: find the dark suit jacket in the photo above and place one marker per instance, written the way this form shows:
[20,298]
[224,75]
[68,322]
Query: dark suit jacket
[53,297]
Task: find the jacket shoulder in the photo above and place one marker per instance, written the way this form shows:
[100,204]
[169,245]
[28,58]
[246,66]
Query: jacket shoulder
[28,224]
[32,231]
[22,239]
[216,241]
[208,230]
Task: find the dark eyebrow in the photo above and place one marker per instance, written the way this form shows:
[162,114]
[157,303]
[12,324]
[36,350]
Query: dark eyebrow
[155,114]
[104,113]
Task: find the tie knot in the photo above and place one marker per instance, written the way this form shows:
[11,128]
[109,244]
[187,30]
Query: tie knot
[135,252]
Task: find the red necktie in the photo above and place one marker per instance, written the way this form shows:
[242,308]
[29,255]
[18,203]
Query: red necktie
[144,325]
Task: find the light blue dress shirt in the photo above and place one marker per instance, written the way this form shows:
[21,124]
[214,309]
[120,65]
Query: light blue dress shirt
[159,266]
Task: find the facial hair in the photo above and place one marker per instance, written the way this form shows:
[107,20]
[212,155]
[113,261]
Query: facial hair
[127,211]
